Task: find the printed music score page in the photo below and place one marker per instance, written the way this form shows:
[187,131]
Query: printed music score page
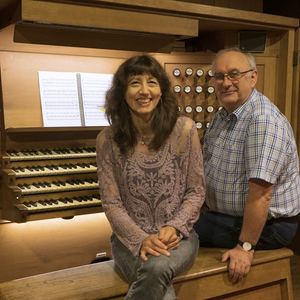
[59,99]
[93,89]
[73,99]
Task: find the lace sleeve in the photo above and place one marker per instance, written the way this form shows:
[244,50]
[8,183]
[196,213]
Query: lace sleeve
[122,225]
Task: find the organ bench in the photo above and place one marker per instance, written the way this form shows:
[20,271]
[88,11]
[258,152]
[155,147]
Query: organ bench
[269,278]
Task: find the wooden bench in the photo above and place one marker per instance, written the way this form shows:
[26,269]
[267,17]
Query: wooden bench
[269,278]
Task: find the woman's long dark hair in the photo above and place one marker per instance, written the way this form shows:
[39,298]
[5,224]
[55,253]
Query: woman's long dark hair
[118,111]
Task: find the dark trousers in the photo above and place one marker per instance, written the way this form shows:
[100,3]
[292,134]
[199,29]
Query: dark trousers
[220,230]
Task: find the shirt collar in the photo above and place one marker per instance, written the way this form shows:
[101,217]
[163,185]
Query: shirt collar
[237,114]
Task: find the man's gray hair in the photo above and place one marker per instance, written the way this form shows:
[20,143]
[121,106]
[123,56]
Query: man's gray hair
[250,57]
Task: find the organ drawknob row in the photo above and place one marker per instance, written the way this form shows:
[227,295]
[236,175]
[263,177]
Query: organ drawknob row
[195,93]
[189,72]
[187,89]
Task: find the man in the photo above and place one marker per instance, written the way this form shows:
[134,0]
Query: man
[251,167]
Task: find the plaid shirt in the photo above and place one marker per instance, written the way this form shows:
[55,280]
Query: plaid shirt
[255,141]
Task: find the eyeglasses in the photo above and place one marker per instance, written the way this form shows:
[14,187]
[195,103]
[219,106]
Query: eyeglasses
[232,75]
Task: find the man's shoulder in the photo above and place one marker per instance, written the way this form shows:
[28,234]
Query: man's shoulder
[262,106]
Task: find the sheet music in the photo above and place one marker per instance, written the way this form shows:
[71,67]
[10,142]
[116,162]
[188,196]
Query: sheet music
[93,89]
[73,99]
[59,99]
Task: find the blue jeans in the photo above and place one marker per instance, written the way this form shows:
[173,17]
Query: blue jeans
[220,230]
[152,280]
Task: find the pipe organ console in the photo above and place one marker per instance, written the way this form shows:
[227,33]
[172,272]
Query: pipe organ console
[43,180]
[50,172]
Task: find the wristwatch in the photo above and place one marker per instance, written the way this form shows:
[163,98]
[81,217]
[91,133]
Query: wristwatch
[246,245]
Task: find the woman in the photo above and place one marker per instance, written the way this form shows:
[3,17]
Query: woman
[151,179]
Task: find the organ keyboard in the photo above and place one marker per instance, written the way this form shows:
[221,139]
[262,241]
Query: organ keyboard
[58,181]
[51,154]
[38,170]
[60,203]
[41,187]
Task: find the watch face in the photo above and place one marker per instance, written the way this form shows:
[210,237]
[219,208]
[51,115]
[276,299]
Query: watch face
[247,246]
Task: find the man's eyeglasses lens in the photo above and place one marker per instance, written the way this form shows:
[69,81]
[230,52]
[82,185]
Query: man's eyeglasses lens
[233,75]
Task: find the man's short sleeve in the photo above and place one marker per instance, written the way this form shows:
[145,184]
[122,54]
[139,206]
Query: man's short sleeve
[266,148]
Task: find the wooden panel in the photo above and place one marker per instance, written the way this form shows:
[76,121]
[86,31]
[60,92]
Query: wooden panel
[207,279]
[95,17]
[43,246]
[295,269]
[211,18]
[185,15]
[19,75]
[270,277]
[272,292]
[8,44]
[224,15]
[267,70]
[255,5]
[285,80]
[296,96]
[91,38]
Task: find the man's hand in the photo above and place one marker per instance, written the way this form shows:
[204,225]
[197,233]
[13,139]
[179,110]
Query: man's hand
[169,237]
[154,246]
[239,263]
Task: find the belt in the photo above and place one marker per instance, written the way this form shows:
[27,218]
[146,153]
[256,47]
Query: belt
[293,219]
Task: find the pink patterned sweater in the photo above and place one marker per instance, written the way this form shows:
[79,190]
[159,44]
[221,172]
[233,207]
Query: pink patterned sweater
[142,192]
